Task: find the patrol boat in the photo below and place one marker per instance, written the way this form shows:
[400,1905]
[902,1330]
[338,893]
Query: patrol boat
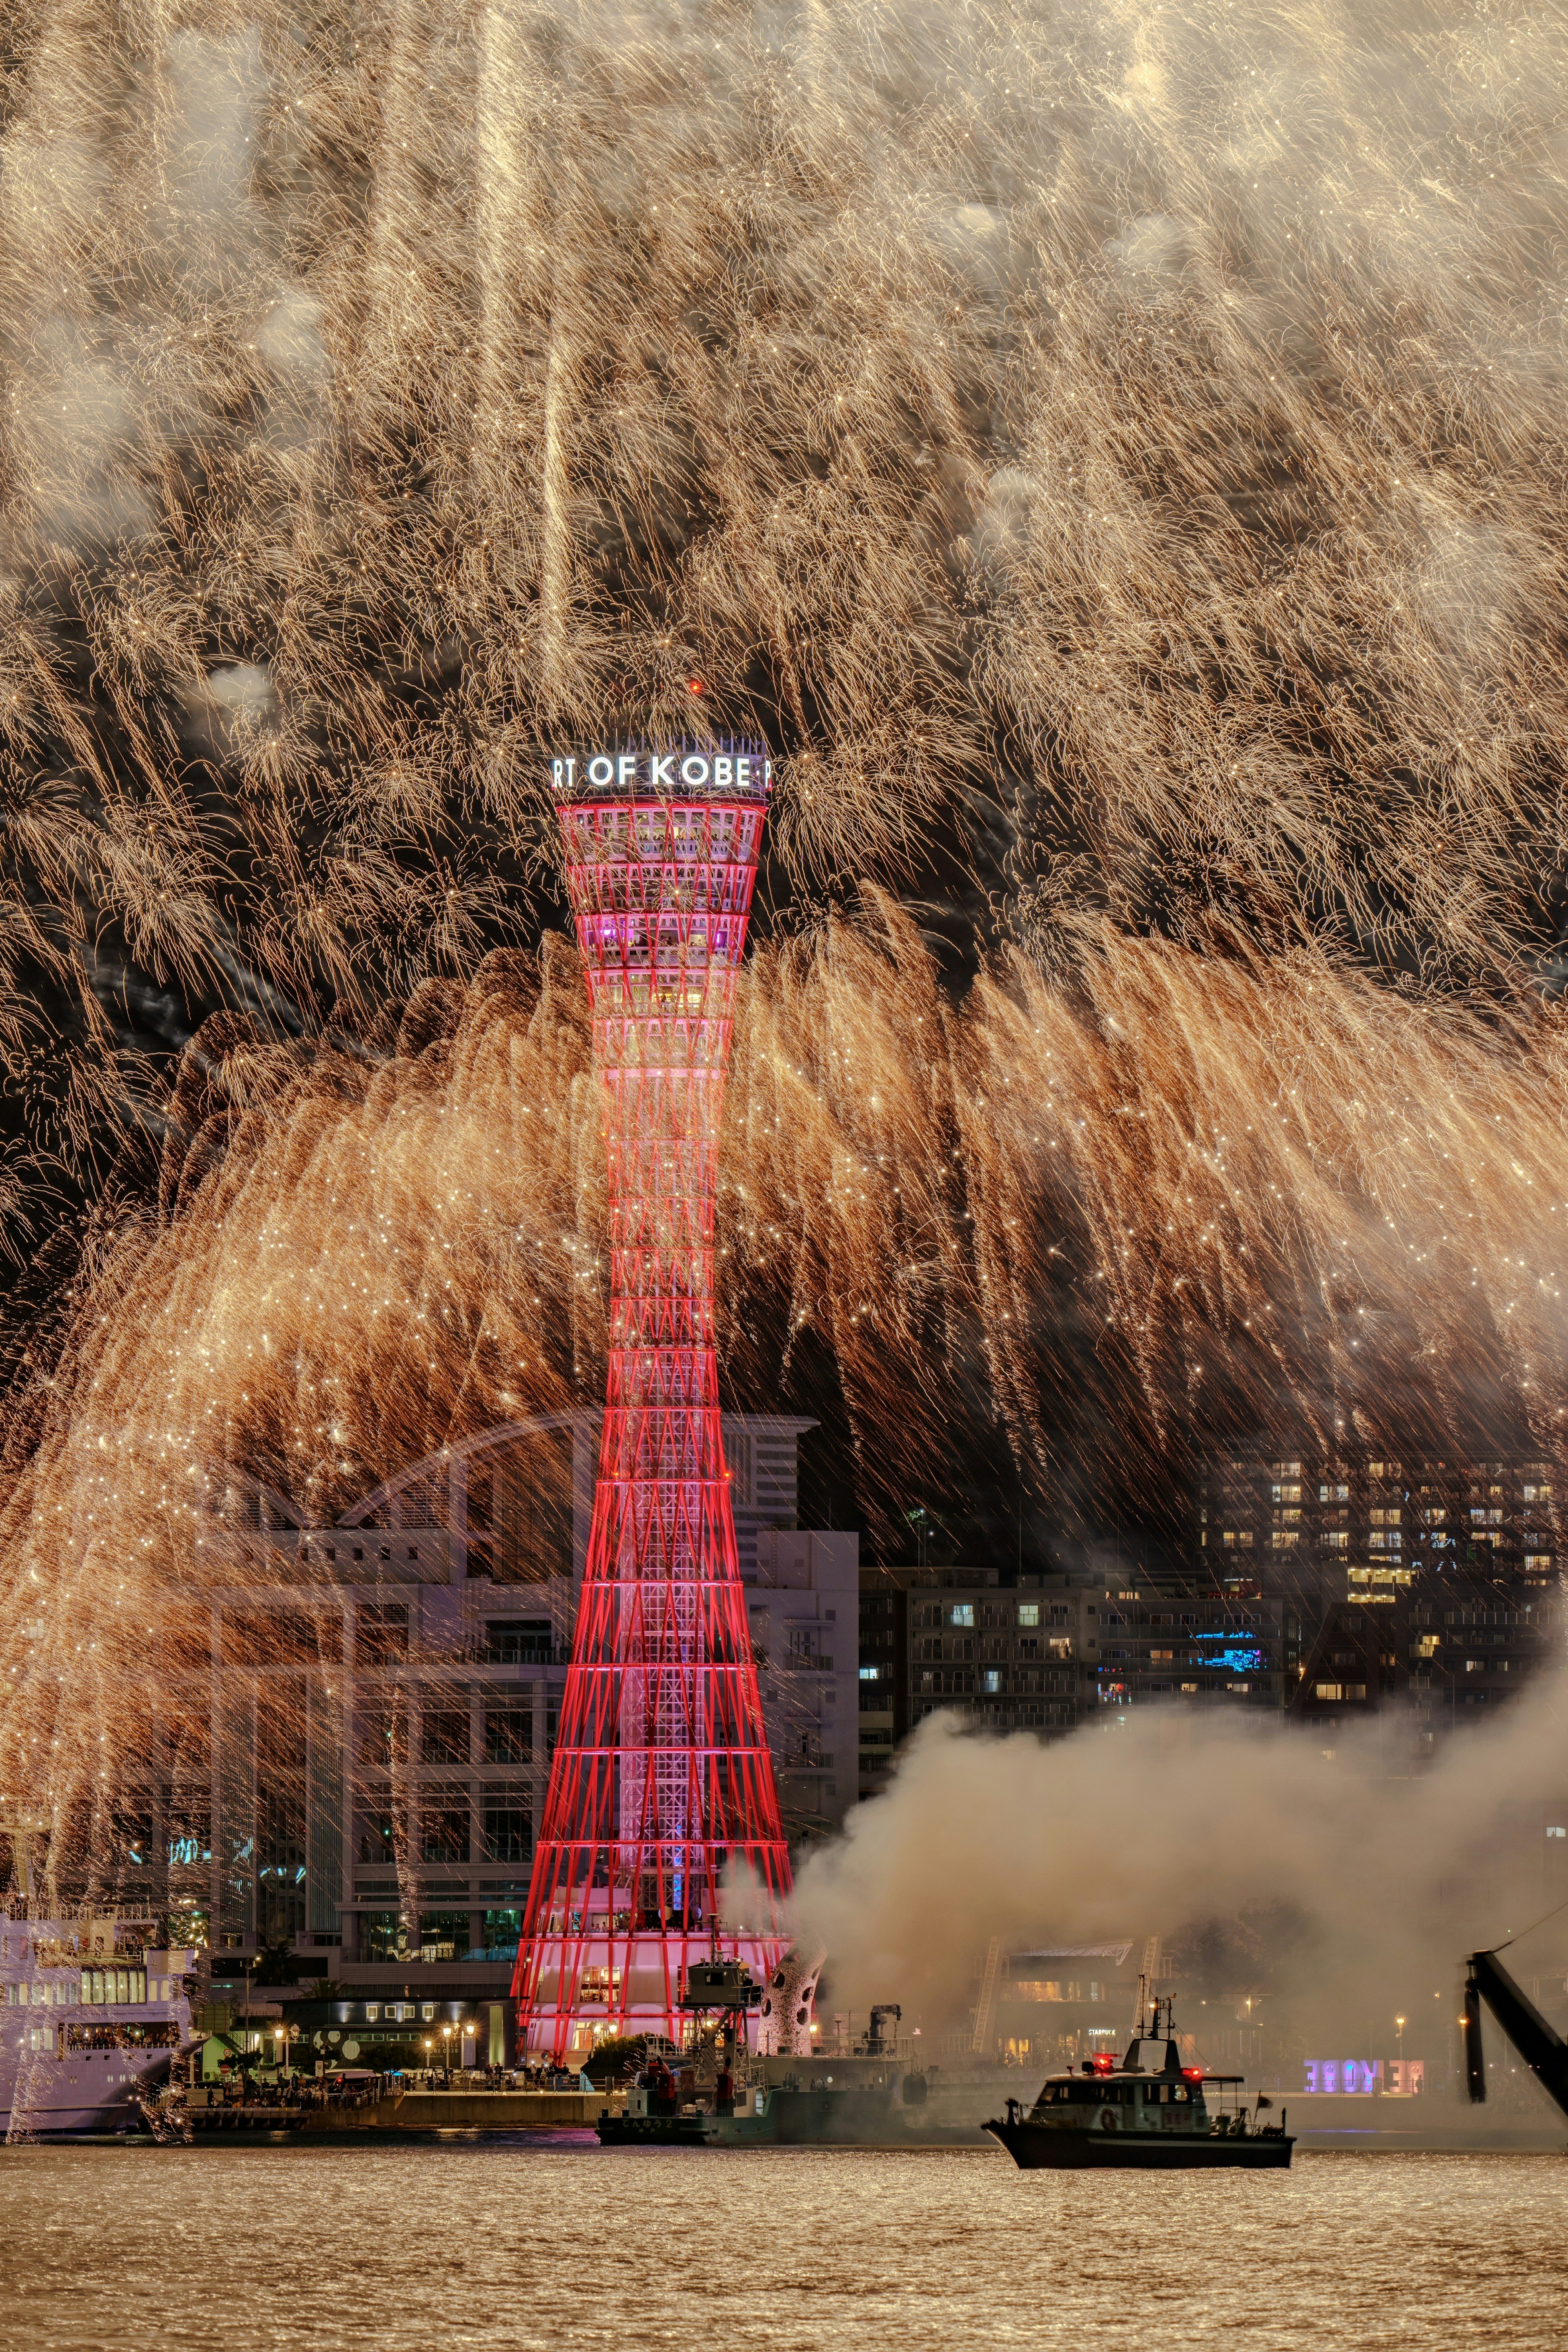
[1146,2114]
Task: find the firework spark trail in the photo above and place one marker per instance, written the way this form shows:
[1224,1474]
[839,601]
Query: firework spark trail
[1118,454]
[1179,1198]
[1129,443]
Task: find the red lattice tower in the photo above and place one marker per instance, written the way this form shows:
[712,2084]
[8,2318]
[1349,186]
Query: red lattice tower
[662,1778]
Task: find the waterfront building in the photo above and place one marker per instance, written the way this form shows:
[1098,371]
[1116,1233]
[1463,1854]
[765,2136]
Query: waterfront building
[402,2028]
[382,1696]
[1432,1582]
[1053,2005]
[1046,1654]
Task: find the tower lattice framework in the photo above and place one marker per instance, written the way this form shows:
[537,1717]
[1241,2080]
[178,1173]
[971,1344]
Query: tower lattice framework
[661,1777]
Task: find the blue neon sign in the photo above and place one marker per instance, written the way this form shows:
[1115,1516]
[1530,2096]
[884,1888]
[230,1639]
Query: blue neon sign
[1231,1653]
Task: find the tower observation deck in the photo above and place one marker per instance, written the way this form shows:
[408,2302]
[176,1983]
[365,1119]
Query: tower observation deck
[661,1778]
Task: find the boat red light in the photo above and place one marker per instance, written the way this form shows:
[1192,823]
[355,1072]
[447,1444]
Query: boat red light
[1103,2063]
[1192,2074]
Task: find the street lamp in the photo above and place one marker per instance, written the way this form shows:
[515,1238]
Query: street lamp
[446,2052]
[1399,2029]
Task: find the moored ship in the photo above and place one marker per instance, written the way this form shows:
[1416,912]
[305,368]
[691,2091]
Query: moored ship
[1146,2112]
[93,2012]
[866,2100]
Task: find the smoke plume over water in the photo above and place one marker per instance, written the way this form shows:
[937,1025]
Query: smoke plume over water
[1356,1887]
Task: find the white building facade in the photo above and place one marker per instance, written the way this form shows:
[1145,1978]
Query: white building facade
[384,1694]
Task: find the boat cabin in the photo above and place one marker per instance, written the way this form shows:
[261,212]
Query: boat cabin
[1149,2090]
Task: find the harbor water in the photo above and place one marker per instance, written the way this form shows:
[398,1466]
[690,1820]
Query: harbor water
[471,2242]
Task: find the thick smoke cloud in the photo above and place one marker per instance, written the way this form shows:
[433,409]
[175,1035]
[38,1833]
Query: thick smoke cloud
[1366,1884]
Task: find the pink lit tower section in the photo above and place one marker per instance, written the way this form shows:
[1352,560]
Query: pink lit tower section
[661,1778]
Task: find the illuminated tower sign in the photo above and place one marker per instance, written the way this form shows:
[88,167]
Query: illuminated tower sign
[661,1777]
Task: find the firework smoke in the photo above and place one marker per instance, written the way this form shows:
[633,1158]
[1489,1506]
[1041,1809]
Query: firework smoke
[1369,1886]
[1273,1190]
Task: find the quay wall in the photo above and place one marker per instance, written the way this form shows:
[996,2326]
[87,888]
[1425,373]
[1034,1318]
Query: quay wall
[425,2111]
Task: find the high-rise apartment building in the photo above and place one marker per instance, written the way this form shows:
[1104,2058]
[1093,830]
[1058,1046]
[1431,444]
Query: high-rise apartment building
[1435,1581]
[1047,1654]
[1360,1527]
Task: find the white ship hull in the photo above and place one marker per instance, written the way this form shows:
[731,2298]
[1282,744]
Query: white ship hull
[84,2091]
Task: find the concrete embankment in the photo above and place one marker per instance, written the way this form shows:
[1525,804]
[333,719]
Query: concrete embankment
[430,2111]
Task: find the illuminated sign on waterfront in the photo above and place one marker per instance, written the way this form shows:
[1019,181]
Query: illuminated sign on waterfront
[1362,2077]
[685,770]
[1357,2076]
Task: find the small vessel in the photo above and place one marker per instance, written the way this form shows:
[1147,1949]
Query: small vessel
[870,2102]
[1145,2113]
[659,2111]
[93,2012]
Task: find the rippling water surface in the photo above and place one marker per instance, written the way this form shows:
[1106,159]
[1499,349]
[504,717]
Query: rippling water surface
[512,2243]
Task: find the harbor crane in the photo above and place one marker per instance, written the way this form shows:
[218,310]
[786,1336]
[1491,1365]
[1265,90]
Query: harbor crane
[1543,2049]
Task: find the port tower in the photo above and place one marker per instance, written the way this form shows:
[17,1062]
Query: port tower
[662,1779]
